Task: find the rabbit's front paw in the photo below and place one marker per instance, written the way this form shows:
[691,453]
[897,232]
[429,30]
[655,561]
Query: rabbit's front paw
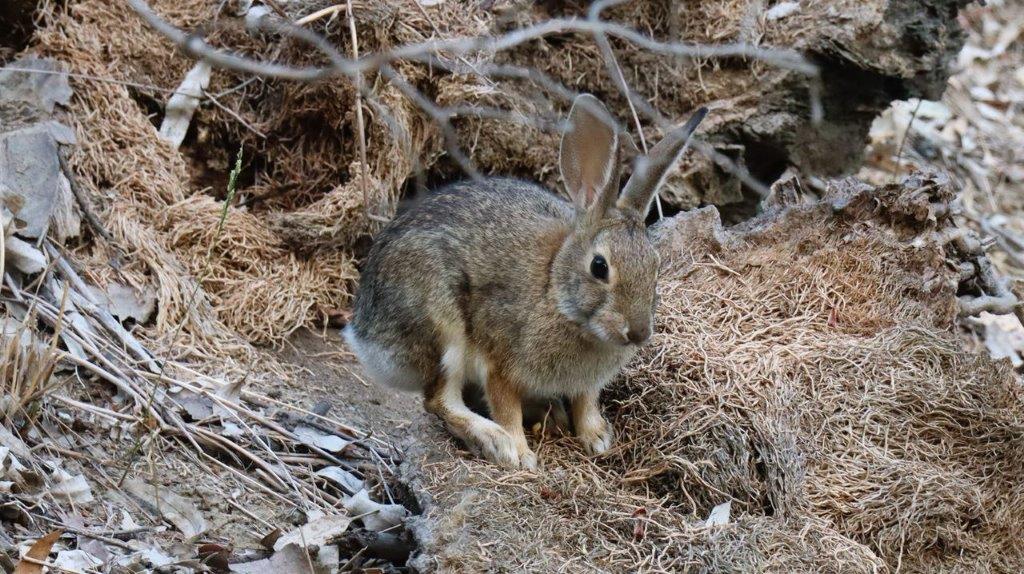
[527,459]
[597,437]
[498,446]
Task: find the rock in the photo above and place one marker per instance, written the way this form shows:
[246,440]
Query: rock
[33,186]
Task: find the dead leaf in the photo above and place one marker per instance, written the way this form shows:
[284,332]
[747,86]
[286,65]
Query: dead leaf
[76,560]
[44,91]
[232,392]
[23,257]
[14,444]
[126,303]
[343,478]
[30,179]
[71,488]
[270,539]
[640,526]
[231,429]
[177,510]
[1004,336]
[782,10]
[719,514]
[378,516]
[317,532]
[215,556]
[254,15]
[97,549]
[329,556]
[156,557]
[39,551]
[290,559]
[127,522]
[313,437]
[11,469]
[183,104]
[197,406]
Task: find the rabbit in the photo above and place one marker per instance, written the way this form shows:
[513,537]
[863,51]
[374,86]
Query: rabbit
[502,283]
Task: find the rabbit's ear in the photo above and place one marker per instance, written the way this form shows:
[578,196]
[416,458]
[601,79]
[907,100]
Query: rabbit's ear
[588,154]
[649,171]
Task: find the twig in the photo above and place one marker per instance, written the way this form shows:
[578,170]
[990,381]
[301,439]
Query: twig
[440,116]
[83,300]
[53,566]
[328,11]
[95,536]
[340,66]
[484,45]
[360,126]
[198,48]
[85,204]
[594,14]
[213,100]
[903,141]
[3,247]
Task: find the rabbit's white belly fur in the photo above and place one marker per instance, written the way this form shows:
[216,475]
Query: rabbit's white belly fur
[463,361]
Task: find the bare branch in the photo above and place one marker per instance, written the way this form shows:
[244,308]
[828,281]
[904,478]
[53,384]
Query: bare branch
[615,71]
[455,51]
[783,58]
[440,116]
[198,48]
[360,123]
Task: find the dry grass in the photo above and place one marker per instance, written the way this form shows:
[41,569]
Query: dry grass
[26,367]
[804,368]
[256,288]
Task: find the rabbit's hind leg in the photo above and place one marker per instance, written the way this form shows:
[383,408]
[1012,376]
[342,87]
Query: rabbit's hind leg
[505,400]
[444,398]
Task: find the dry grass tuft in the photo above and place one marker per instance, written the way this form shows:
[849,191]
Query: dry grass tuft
[256,287]
[26,367]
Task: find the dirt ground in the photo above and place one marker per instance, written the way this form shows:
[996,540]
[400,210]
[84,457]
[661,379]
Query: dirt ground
[328,375]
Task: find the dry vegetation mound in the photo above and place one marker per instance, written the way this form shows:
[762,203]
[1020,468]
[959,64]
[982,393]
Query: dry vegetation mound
[805,369]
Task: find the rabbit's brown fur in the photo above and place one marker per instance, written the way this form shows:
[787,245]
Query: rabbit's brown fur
[497,282]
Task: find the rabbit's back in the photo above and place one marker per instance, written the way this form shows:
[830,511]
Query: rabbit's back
[430,268]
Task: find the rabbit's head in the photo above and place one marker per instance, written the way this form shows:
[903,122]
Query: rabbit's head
[605,272]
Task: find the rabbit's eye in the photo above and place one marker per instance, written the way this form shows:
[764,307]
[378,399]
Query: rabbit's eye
[599,268]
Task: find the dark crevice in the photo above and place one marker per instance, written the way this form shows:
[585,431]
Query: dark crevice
[149,104]
[17,22]
[765,161]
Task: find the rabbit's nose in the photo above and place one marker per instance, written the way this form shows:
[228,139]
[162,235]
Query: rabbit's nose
[639,336]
